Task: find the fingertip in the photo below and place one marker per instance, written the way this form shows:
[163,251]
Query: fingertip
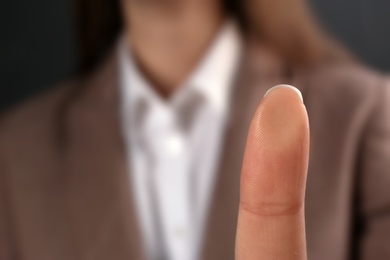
[276,157]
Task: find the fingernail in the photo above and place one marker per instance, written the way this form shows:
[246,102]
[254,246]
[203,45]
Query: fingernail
[285,86]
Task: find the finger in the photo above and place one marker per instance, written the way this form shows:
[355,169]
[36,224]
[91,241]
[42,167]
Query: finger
[273,179]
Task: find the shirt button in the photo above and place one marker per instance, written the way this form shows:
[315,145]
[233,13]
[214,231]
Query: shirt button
[174,144]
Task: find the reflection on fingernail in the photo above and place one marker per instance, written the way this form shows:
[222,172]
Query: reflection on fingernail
[285,86]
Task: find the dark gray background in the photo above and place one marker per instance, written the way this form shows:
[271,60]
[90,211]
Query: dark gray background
[37,48]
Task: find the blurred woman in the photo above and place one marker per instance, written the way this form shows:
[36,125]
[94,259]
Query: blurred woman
[140,156]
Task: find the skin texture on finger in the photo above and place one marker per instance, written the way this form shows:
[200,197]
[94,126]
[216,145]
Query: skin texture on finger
[271,216]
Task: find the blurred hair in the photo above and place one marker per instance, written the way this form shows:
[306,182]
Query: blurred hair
[285,25]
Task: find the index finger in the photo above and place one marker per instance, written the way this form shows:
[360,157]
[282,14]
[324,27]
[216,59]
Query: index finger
[273,179]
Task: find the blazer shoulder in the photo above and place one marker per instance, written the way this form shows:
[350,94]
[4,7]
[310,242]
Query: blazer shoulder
[33,115]
[346,85]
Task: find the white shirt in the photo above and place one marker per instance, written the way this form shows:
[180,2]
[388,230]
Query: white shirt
[174,146]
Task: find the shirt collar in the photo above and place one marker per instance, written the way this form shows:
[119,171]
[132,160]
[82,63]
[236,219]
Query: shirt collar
[215,74]
[212,78]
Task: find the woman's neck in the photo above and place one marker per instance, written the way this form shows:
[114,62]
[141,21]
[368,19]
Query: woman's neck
[169,37]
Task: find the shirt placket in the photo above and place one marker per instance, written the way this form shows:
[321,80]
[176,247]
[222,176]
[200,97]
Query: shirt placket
[171,184]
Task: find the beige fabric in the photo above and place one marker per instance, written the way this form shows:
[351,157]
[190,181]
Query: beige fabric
[65,193]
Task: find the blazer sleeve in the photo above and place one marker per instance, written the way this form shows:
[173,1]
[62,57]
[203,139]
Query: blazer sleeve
[374,190]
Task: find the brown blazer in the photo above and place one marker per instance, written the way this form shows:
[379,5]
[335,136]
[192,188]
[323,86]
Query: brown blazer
[64,186]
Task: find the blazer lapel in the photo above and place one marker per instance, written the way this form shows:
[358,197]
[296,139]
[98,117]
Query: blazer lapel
[259,71]
[101,212]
